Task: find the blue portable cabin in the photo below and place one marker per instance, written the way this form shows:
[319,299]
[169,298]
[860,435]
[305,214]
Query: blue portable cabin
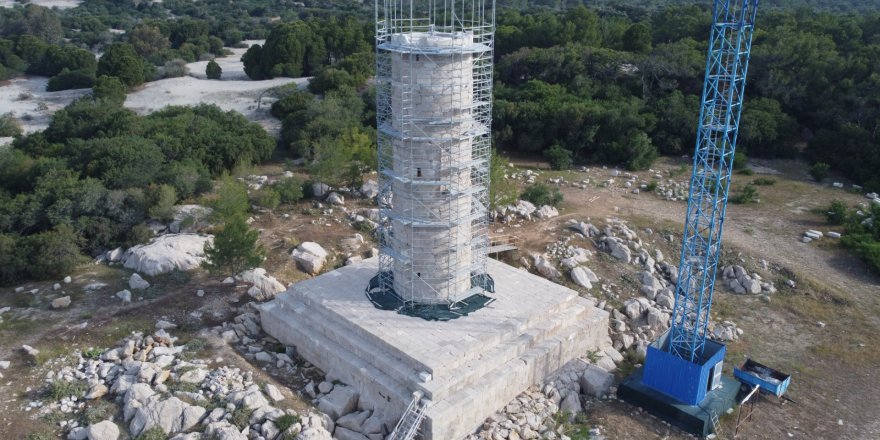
[755,374]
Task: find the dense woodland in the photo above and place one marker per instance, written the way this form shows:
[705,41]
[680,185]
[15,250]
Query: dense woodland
[616,84]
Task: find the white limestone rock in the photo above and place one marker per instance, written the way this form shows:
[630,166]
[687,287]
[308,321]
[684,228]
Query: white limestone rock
[224,430]
[619,250]
[190,218]
[310,256]
[665,298]
[335,199]
[273,392]
[546,211]
[61,303]
[168,252]
[370,189]
[346,434]
[265,286]
[171,415]
[115,255]
[342,400]
[314,433]
[136,282]
[545,268]
[106,430]
[124,295]
[583,277]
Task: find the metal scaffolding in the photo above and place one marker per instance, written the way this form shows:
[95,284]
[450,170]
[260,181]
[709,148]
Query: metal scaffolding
[434,109]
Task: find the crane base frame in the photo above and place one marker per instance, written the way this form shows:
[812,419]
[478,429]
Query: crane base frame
[695,419]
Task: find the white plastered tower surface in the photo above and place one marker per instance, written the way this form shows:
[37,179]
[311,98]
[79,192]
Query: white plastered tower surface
[434,88]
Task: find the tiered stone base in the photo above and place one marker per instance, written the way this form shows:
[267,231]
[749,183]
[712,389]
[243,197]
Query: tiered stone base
[469,367]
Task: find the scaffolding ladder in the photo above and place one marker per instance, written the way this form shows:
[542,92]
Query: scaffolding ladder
[716,424]
[411,420]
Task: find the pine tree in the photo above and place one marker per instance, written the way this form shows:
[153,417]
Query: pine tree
[235,248]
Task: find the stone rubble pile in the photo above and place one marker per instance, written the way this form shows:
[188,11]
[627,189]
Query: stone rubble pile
[523,210]
[533,414]
[159,385]
[738,280]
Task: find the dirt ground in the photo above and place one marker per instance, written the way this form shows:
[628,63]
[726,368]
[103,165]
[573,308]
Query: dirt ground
[834,375]
[834,384]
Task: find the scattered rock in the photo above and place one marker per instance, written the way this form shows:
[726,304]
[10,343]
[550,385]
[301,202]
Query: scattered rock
[30,351]
[273,392]
[545,268]
[106,430]
[310,256]
[265,287]
[583,277]
[124,295]
[335,199]
[546,211]
[136,282]
[342,400]
[61,303]
[370,189]
[596,381]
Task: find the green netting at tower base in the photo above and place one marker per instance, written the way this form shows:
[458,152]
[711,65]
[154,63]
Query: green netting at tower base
[389,300]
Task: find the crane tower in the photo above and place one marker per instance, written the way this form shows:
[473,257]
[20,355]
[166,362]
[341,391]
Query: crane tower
[682,364]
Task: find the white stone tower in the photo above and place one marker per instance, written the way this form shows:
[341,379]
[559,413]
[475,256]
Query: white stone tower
[434,90]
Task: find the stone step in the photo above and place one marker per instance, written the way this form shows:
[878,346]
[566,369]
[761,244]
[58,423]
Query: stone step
[471,372]
[353,370]
[507,380]
[303,321]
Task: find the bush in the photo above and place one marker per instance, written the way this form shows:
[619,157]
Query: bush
[286,421]
[235,248]
[175,68]
[819,171]
[267,198]
[71,79]
[213,70]
[289,190]
[121,60]
[740,161]
[748,194]
[559,158]
[110,88]
[54,253]
[764,181]
[540,194]
[836,213]
[164,198]
[60,389]
[9,126]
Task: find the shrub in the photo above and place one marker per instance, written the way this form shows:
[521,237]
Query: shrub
[267,198]
[176,68]
[651,187]
[213,70]
[286,421]
[164,198]
[54,253]
[235,248]
[109,88]
[71,79]
[9,126]
[764,181]
[748,194]
[154,433]
[819,171]
[559,158]
[746,172]
[59,389]
[740,161]
[290,190]
[836,213]
[540,194]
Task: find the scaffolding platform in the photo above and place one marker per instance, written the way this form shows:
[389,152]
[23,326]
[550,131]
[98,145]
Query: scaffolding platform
[695,419]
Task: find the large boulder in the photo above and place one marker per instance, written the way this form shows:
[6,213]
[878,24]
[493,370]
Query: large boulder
[523,208]
[665,298]
[310,256]
[137,282]
[167,253]
[61,303]
[341,401]
[335,199]
[596,381]
[264,287]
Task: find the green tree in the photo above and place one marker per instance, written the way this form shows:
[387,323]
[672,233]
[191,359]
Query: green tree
[232,198]
[213,70]
[637,38]
[110,88]
[121,60]
[147,40]
[9,126]
[164,199]
[559,158]
[53,253]
[235,248]
[289,190]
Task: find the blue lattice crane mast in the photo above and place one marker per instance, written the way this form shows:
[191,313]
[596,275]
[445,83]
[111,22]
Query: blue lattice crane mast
[683,364]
